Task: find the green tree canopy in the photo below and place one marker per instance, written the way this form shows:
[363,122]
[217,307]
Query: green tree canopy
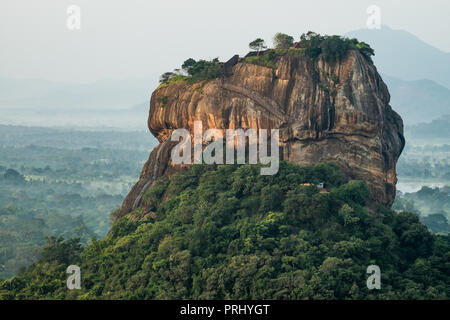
[257,45]
[226,232]
[188,64]
[282,41]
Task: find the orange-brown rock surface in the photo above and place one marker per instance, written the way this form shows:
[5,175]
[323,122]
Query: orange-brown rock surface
[336,112]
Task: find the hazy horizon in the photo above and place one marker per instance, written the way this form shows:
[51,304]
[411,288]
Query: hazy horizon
[104,73]
[137,39]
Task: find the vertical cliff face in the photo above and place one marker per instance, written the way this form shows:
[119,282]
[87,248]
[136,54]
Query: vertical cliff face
[326,112]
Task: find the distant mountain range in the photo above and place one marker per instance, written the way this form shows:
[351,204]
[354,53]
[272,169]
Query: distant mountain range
[438,129]
[119,103]
[402,55]
[103,94]
[417,75]
[418,101]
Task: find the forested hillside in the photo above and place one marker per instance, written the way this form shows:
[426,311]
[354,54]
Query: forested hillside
[226,232]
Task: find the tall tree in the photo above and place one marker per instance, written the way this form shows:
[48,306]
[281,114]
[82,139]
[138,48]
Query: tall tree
[257,45]
[282,41]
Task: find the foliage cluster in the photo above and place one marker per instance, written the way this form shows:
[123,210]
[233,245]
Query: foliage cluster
[311,44]
[226,232]
[193,71]
[333,48]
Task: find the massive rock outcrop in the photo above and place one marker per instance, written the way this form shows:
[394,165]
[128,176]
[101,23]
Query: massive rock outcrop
[326,112]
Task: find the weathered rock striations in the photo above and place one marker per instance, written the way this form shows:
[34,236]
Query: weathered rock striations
[326,112]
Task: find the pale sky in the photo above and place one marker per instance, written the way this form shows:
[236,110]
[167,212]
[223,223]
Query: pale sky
[137,38]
